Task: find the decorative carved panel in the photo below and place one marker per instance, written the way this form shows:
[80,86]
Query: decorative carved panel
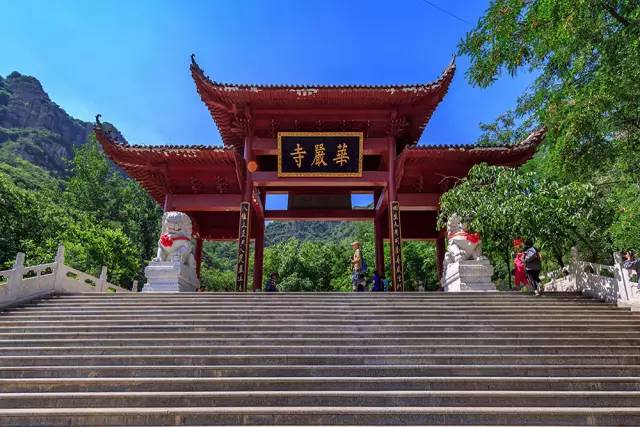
[242,264]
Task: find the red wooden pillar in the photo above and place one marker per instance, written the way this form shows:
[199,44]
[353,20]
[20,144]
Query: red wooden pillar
[379,243]
[244,234]
[258,254]
[394,220]
[198,255]
[440,251]
[244,237]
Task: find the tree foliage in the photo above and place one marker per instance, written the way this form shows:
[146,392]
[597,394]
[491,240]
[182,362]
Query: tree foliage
[317,262]
[582,186]
[586,54]
[100,216]
[505,203]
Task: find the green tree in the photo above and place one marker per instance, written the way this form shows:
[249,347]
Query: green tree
[101,217]
[419,261]
[99,189]
[585,55]
[504,203]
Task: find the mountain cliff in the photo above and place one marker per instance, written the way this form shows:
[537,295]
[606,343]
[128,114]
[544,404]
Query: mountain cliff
[34,128]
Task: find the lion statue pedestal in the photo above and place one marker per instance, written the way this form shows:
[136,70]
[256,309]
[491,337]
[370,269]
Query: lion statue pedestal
[174,268]
[465,269]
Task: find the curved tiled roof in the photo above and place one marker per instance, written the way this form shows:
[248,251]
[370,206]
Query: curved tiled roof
[425,163]
[416,101]
[148,164]
[529,144]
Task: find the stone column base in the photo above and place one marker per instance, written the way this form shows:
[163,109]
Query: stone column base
[170,277]
[469,276]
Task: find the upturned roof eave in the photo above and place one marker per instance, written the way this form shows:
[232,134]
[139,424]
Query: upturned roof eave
[422,98]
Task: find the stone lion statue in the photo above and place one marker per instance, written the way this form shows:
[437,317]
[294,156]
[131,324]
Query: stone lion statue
[463,245]
[175,239]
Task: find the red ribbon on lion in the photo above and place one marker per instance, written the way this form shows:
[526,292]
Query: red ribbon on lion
[471,237]
[167,241]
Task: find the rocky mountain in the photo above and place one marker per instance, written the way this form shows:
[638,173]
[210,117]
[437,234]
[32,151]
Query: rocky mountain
[37,137]
[34,128]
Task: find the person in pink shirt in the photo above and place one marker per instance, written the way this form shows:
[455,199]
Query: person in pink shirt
[520,276]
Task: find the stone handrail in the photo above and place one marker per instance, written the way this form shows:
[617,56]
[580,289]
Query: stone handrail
[611,283]
[23,283]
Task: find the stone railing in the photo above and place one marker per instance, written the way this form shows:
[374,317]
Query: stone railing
[611,283]
[22,283]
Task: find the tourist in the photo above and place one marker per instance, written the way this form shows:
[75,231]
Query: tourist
[519,274]
[378,285]
[386,283]
[272,285]
[533,265]
[631,263]
[357,275]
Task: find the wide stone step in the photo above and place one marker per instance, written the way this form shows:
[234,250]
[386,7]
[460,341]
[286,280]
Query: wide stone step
[144,370]
[378,305]
[424,317]
[383,305]
[211,332]
[365,301]
[70,359]
[363,325]
[141,384]
[346,415]
[320,398]
[179,329]
[196,348]
[273,316]
[186,338]
[215,320]
[340,296]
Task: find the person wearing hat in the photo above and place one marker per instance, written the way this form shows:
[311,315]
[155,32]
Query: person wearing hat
[356,265]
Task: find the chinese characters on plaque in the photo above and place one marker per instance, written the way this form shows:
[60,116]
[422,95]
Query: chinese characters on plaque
[243,248]
[320,153]
[396,247]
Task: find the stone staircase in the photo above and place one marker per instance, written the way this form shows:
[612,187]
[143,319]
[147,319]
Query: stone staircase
[319,359]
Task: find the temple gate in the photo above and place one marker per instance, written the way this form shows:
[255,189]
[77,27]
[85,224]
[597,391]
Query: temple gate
[319,145]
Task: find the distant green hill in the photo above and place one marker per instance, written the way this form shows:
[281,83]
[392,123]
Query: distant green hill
[279,231]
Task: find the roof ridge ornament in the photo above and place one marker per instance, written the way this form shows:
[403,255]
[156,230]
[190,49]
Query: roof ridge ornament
[538,134]
[194,66]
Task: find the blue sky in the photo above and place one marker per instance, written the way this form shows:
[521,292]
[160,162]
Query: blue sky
[128,60]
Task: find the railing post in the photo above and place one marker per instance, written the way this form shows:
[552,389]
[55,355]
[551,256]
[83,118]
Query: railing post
[60,254]
[623,280]
[134,287]
[574,269]
[15,281]
[100,286]
[59,273]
